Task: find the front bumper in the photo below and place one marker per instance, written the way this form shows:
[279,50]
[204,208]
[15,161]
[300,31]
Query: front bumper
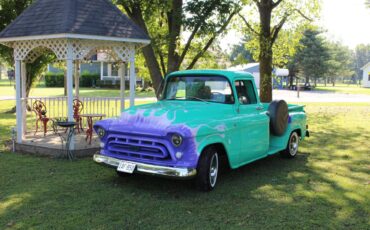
[148,168]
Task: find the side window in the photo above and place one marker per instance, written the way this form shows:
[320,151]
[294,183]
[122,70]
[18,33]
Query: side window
[250,92]
[245,92]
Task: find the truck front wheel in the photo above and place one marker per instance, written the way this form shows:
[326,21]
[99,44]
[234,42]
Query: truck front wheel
[292,147]
[207,170]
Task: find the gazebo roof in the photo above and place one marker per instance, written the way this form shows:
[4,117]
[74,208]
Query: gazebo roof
[85,19]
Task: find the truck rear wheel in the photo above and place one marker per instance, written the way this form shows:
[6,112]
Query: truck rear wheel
[207,170]
[292,147]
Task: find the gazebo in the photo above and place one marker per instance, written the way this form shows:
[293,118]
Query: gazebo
[74,30]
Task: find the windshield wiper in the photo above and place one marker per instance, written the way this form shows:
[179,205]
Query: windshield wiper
[189,97]
[196,98]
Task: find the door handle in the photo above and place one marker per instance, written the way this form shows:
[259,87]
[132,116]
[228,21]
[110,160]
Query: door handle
[259,108]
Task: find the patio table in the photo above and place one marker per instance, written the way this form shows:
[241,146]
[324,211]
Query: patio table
[89,118]
[71,126]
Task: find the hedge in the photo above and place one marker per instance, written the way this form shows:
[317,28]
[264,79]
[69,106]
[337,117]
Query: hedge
[89,79]
[54,80]
[57,79]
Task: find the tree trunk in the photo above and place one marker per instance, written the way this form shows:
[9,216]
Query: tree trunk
[153,67]
[174,28]
[265,56]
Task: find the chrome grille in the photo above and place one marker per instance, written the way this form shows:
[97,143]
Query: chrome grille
[135,147]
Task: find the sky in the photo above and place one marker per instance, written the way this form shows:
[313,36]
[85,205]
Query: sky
[347,21]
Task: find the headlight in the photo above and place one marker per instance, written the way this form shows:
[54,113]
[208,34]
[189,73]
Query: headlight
[176,140]
[100,132]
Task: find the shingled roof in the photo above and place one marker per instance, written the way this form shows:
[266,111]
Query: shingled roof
[74,19]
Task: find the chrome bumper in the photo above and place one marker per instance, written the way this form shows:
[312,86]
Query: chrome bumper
[147,168]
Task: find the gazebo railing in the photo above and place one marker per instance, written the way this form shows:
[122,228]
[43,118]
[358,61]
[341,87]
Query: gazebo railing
[56,107]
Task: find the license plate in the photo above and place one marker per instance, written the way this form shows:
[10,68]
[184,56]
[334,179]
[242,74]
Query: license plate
[126,167]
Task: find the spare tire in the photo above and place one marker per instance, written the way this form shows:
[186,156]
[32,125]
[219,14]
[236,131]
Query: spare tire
[278,112]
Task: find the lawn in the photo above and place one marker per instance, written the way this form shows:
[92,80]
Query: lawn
[325,187]
[346,89]
[40,91]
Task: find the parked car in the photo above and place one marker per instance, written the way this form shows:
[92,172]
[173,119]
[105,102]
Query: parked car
[305,86]
[203,119]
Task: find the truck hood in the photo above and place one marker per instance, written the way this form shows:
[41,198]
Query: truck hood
[165,117]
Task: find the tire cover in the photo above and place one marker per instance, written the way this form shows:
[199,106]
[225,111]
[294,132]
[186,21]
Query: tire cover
[278,112]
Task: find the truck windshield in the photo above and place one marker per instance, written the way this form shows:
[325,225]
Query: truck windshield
[199,88]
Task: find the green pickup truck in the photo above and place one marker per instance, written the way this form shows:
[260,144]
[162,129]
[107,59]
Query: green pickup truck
[204,118]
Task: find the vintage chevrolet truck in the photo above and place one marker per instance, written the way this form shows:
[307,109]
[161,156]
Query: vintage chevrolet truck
[204,118]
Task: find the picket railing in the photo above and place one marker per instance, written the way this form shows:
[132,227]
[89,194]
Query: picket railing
[56,107]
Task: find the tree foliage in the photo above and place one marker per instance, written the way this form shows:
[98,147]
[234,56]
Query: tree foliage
[9,10]
[340,63]
[312,55]
[240,54]
[180,32]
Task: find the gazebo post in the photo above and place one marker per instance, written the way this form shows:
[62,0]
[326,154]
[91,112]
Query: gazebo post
[132,79]
[24,96]
[121,72]
[77,79]
[70,82]
[19,116]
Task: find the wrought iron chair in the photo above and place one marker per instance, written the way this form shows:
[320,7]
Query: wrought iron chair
[77,109]
[40,110]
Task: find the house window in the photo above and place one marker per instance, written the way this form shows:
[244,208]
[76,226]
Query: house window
[110,70]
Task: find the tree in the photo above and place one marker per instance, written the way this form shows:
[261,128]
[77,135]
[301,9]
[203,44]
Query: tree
[240,54]
[367,3]
[312,55]
[166,23]
[9,10]
[340,63]
[277,12]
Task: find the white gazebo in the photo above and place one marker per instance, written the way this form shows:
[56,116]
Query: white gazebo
[73,30]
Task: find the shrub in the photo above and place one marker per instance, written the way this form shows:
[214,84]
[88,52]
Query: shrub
[89,79]
[54,79]
[149,89]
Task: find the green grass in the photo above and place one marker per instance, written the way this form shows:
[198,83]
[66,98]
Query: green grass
[346,89]
[325,187]
[7,90]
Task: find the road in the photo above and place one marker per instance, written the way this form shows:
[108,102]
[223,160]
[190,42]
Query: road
[291,96]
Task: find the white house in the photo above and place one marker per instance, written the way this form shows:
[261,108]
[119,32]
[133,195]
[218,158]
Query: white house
[366,75]
[254,69]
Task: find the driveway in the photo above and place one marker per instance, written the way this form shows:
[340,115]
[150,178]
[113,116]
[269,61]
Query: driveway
[319,96]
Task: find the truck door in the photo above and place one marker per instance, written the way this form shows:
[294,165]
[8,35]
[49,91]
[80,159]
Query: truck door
[253,123]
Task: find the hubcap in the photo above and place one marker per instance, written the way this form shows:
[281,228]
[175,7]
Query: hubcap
[293,144]
[213,170]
